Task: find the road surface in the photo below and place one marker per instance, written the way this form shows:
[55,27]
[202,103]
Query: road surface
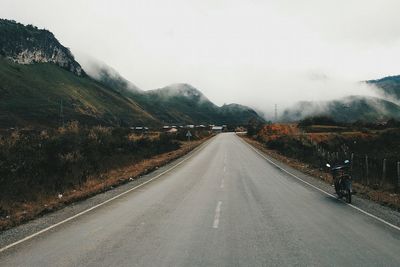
[225,206]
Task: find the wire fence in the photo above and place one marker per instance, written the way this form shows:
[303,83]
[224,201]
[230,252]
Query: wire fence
[373,170]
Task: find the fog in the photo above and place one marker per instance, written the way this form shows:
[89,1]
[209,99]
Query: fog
[252,52]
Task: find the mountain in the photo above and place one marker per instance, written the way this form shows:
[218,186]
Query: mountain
[388,86]
[28,44]
[42,84]
[34,94]
[244,113]
[347,109]
[179,103]
[183,103]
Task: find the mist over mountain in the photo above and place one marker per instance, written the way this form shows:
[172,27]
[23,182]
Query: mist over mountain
[178,103]
[108,76]
[389,87]
[383,106]
[347,109]
[42,84]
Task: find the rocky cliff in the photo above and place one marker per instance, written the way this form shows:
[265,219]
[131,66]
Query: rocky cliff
[28,44]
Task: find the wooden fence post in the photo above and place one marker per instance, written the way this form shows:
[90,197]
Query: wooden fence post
[398,175]
[351,163]
[366,169]
[383,172]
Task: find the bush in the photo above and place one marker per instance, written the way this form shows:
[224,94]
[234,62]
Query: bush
[293,147]
[253,127]
[51,161]
[318,120]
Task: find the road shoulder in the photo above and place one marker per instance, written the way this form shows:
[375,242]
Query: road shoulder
[73,210]
[385,213]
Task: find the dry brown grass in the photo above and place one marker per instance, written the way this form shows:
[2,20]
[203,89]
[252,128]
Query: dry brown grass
[22,212]
[273,131]
[383,197]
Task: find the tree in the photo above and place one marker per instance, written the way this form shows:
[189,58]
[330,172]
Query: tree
[253,127]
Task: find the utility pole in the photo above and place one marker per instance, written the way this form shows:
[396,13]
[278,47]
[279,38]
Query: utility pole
[276,113]
[61,114]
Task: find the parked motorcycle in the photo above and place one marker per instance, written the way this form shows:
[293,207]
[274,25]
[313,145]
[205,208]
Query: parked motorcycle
[342,180]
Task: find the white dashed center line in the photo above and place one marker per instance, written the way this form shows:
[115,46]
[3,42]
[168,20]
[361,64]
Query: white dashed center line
[217,215]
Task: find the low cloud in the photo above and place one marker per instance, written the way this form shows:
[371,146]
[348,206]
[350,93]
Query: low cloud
[288,89]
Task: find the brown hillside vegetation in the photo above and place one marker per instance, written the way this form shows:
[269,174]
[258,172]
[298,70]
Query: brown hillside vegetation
[41,171]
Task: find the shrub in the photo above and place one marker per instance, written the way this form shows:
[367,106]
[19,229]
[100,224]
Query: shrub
[53,160]
[318,120]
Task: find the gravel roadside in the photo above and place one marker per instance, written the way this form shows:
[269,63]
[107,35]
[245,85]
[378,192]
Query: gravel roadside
[386,213]
[19,232]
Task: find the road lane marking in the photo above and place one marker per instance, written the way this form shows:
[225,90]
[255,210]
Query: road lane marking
[319,189]
[222,183]
[224,168]
[217,215]
[194,152]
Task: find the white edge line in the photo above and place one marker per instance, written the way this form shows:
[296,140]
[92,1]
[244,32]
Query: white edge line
[319,189]
[103,203]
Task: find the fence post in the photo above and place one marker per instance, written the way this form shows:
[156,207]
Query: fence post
[366,169]
[351,163]
[383,172]
[398,175]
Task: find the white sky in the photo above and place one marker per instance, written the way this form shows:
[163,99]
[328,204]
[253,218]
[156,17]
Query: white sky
[254,52]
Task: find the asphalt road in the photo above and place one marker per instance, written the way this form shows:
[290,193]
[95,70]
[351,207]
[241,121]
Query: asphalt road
[225,206]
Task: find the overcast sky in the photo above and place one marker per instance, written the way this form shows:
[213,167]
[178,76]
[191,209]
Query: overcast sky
[254,52]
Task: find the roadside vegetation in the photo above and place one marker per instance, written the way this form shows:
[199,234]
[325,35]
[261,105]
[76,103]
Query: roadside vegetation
[374,150]
[41,165]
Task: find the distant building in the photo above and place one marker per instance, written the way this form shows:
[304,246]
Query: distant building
[140,129]
[172,130]
[217,129]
